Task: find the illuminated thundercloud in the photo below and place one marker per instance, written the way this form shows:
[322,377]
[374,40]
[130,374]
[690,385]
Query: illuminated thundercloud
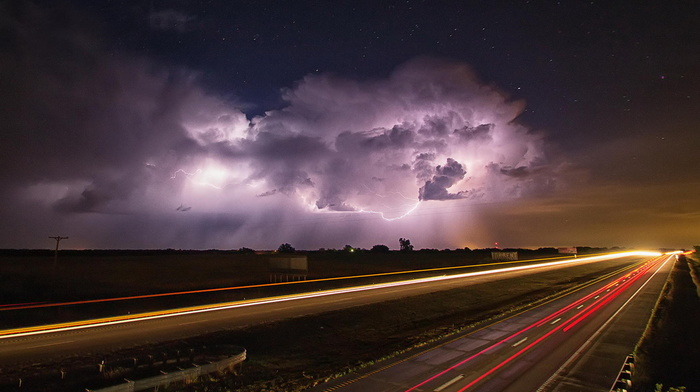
[382,151]
[430,130]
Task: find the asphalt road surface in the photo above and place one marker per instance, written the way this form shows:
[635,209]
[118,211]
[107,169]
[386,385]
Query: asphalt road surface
[45,342]
[575,343]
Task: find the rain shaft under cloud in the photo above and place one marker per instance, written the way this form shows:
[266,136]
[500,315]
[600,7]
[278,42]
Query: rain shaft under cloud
[118,151]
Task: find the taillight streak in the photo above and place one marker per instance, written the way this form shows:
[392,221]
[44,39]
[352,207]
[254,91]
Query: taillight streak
[208,308]
[619,289]
[541,338]
[17,306]
[606,298]
[568,323]
[219,289]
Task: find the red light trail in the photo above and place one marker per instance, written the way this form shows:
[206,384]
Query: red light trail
[26,331]
[602,297]
[34,305]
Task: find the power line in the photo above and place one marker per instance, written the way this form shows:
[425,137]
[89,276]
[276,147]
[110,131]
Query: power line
[58,239]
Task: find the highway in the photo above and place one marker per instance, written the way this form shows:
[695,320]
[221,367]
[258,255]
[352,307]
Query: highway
[574,343]
[44,342]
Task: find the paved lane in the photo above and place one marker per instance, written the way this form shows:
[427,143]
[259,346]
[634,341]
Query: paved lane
[577,342]
[46,342]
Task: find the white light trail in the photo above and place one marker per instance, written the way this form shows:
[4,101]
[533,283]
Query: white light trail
[70,326]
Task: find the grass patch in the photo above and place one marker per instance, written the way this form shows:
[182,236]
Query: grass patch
[79,276]
[668,351]
[294,354]
[332,344]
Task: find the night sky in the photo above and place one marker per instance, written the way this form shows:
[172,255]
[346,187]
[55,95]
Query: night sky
[227,124]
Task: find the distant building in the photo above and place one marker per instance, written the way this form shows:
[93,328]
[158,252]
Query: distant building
[504,255]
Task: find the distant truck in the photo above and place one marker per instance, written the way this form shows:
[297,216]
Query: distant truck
[288,268]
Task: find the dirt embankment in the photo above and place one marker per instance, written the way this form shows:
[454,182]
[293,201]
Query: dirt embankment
[669,351]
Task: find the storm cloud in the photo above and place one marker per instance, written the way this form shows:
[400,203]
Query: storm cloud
[97,134]
[444,178]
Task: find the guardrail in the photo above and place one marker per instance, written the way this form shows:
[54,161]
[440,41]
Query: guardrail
[623,382]
[167,378]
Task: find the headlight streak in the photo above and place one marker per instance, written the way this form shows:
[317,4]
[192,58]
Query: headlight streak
[90,301]
[84,324]
[616,286]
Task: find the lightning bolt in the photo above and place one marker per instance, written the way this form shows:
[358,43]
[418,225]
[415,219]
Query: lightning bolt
[381,214]
[362,210]
[190,177]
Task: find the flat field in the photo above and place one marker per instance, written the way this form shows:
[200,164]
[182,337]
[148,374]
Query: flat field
[293,354]
[666,354]
[97,274]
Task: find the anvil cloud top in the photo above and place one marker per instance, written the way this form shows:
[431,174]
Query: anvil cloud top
[248,124]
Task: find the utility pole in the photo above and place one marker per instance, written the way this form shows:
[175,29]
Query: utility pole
[58,239]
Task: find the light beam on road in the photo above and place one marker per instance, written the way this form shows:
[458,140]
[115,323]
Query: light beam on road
[84,324]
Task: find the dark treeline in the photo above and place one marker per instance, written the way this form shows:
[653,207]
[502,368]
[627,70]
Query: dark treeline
[111,252]
[161,252]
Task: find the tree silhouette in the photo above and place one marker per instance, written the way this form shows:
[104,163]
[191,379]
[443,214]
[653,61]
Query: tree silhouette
[286,248]
[405,245]
[380,248]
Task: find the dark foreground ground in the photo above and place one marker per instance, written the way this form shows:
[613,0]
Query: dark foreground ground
[294,354]
[669,351]
[78,275]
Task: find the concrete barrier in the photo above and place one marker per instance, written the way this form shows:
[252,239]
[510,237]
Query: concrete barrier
[623,382]
[180,375]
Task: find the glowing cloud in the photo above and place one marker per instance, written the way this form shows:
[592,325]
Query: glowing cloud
[430,130]
[366,160]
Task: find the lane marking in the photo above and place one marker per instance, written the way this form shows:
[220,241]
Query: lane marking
[51,344]
[520,342]
[447,384]
[521,331]
[579,352]
[76,325]
[193,322]
[579,307]
[556,321]
[33,305]
[452,340]
[537,341]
